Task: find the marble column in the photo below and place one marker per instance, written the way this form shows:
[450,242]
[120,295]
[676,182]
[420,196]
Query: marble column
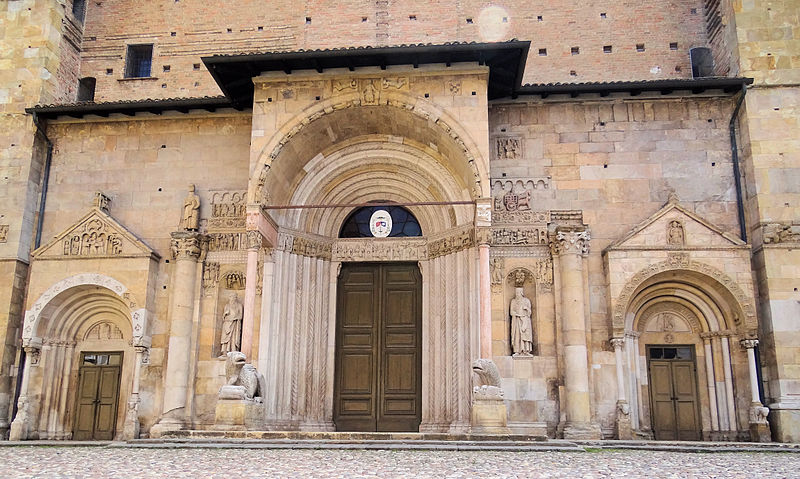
[185,251]
[623,408]
[131,426]
[730,400]
[571,245]
[759,427]
[485,301]
[254,243]
[24,421]
[711,383]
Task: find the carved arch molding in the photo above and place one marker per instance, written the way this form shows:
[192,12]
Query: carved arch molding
[423,110]
[138,315]
[682,263]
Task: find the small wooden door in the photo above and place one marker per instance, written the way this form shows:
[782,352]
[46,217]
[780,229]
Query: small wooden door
[98,396]
[673,393]
[378,348]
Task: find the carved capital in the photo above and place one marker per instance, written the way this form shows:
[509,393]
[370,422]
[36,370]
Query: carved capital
[33,353]
[618,343]
[483,212]
[749,343]
[254,240]
[185,245]
[570,241]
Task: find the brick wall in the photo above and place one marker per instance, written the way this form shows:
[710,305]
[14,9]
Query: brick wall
[183,31]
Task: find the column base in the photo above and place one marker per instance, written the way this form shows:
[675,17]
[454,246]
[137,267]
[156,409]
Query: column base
[322,426]
[166,425]
[582,431]
[489,416]
[759,432]
[21,425]
[784,420]
[624,431]
[131,428]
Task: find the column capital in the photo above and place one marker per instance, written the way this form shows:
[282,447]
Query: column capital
[570,240]
[749,343]
[254,240]
[483,212]
[617,343]
[185,245]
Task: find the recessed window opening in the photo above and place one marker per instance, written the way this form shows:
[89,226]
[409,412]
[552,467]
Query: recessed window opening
[358,223]
[139,61]
[86,88]
[79,10]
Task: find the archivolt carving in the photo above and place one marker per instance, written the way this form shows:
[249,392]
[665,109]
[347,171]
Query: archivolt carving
[673,308]
[682,263]
[32,316]
[427,112]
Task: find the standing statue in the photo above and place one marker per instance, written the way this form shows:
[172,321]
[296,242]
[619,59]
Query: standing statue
[675,233]
[191,211]
[521,325]
[231,339]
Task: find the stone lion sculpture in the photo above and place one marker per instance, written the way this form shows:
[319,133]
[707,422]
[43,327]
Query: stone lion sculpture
[489,379]
[243,380]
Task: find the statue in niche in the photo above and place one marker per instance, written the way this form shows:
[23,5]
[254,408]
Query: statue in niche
[231,339]
[675,233]
[191,211]
[521,324]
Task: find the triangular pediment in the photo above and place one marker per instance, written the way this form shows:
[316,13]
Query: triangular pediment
[95,235]
[675,227]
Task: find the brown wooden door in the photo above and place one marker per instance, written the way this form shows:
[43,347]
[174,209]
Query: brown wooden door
[378,348]
[673,393]
[98,396]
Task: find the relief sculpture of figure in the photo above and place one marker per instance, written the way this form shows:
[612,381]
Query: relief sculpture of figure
[191,211]
[231,338]
[521,326]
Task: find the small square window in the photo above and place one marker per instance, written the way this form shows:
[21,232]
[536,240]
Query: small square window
[640,47]
[575,50]
[603,15]
[673,46]
[573,73]
[543,52]
[139,61]
[539,18]
[607,49]
[166,68]
[196,66]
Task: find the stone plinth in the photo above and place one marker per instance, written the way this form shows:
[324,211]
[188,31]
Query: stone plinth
[489,416]
[759,432]
[624,421]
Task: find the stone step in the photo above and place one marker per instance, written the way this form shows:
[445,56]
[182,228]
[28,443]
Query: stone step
[349,436]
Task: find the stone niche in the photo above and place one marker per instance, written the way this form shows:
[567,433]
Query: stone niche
[526,380]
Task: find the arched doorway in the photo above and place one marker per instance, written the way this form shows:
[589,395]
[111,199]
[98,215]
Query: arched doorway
[680,331]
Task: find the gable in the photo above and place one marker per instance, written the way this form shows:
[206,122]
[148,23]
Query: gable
[673,226]
[95,235]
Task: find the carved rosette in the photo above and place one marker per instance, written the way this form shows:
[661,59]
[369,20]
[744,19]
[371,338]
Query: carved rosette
[570,241]
[185,245]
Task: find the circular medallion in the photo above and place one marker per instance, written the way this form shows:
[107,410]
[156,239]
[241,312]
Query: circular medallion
[380,224]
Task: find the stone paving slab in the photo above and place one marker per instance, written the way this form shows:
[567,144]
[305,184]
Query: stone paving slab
[225,463]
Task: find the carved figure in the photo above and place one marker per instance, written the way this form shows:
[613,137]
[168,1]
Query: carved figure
[191,211]
[239,373]
[521,326]
[488,377]
[231,339]
[758,414]
[497,271]
[675,233]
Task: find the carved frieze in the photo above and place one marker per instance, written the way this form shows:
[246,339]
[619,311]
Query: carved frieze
[227,241]
[452,243]
[776,233]
[567,217]
[227,210]
[234,280]
[345,84]
[370,95]
[543,272]
[210,277]
[395,83]
[93,238]
[299,244]
[520,217]
[520,236]
[406,249]
[508,148]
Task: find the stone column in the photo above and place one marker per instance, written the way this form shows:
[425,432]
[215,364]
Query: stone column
[759,427]
[571,245]
[623,408]
[483,220]
[254,243]
[726,362]
[131,427]
[712,384]
[23,422]
[185,251]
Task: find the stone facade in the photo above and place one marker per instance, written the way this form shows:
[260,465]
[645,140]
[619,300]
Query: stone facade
[613,212]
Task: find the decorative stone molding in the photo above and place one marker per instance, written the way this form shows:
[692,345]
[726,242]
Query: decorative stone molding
[101,201]
[4,233]
[234,280]
[668,307]
[513,194]
[103,330]
[543,272]
[343,99]
[519,236]
[33,354]
[567,217]
[227,241]
[396,83]
[254,240]
[304,245]
[778,233]
[617,343]
[502,217]
[676,262]
[517,277]
[724,333]
[185,245]
[453,242]
[570,241]
[405,249]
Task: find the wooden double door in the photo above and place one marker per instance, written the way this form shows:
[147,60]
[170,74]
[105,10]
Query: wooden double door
[673,393]
[378,383]
[98,396]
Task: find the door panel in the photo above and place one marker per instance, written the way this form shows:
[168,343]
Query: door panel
[673,396]
[98,397]
[378,358]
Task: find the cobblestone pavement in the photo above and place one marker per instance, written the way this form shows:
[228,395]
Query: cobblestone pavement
[80,462]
